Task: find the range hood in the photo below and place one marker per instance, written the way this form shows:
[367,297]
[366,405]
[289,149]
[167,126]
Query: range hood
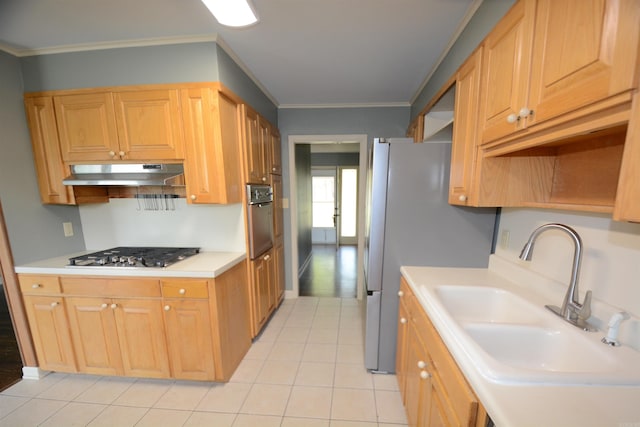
[132,175]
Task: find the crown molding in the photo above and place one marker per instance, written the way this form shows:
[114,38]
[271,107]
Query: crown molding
[8,49]
[82,47]
[350,105]
[473,8]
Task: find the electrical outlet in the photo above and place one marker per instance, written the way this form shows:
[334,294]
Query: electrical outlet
[504,239]
[68,229]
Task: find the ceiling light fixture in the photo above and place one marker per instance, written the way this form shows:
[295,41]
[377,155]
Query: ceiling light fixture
[232,13]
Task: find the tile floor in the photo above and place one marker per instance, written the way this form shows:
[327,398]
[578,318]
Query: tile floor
[305,369]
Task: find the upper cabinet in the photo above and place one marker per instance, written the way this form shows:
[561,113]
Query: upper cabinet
[120,125]
[261,147]
[202,125]
[548,62]
[463,146]
[212,121]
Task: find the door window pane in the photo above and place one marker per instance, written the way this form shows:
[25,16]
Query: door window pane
[348,212]
[323,199]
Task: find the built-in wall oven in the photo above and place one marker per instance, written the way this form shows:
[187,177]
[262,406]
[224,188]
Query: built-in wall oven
[260,219]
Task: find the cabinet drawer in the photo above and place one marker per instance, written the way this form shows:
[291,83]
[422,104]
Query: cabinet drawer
[185,289]
[108,287]
[33,284]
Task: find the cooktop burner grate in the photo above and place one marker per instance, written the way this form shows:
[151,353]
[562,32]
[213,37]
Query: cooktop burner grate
[126,256]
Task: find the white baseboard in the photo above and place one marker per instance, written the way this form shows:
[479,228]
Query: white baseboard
[33,373]
[290,295]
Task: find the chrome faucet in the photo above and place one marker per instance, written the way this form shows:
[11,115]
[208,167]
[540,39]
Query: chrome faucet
[571,311]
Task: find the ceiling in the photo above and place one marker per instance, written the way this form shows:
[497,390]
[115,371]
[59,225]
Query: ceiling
[301,52]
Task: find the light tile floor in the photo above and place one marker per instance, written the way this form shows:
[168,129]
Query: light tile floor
[305,370]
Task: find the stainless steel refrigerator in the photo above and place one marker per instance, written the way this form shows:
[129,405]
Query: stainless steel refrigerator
[410,222]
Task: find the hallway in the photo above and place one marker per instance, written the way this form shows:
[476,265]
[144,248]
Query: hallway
[331,272]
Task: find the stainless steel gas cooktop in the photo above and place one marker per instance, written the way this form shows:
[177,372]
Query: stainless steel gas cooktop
[126,256]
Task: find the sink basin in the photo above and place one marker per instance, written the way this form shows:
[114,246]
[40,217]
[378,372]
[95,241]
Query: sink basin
[512,340]
[486,304]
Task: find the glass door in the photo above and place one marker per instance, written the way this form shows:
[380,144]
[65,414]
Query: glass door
[347,205]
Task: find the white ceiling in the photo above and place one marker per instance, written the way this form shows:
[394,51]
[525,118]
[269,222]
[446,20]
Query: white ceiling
[302,52]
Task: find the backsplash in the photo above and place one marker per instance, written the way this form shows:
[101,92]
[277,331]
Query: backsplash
[610,259]
[123,222]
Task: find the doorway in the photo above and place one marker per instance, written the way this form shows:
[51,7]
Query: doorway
[341,232]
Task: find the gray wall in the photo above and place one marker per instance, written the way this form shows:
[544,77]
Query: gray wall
[374,122]
[35,230]
[335,159]
[485,18]
[304,201]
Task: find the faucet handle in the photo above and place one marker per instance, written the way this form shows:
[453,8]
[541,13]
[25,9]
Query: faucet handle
[585,310]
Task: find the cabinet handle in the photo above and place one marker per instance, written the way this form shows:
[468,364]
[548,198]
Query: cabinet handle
[524,112]
[421,364]
[104,305]
[55,304]
[266,257]
[114,306]
[403,320]
[167,307]
[121,153]
[424,375]
[264,179]
[193,197]
[462,198]
[512,118]
[112,153]
[182,291]
[274,169]
[400,293]
[36,285]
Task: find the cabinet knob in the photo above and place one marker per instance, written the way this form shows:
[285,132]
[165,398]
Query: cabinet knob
[512,118]
[400,293]
[274,169]
[112,153]
[422,364]
[403,320]
[55,304]
[114,306]
[267,257]
[36,285]
[424,375]
[122,153]
[104,305]
[524,112]
[182,291]
[167,307]
[462,198]
[193,197]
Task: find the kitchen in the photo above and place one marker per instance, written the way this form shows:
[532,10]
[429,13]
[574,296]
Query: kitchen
[608,267]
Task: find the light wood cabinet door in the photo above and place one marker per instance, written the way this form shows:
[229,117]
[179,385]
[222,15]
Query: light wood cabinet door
[87,126]
[261,270]
[275,152]
[188,328]
[140,327]
[253,147]
[402,338]
[418,381]
[505,72]
[50,167]
[95,335]
[464,144]
[50,333]
[583,52]
[278,273]
[149,124]
[213,146]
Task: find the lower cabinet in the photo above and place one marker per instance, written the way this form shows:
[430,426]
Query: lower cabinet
[434,390]
[188,327]
[118,336]
[261,282]
[50,333]
[193,329]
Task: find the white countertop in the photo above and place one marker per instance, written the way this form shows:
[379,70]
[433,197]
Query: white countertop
[525,405]
[205,264]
